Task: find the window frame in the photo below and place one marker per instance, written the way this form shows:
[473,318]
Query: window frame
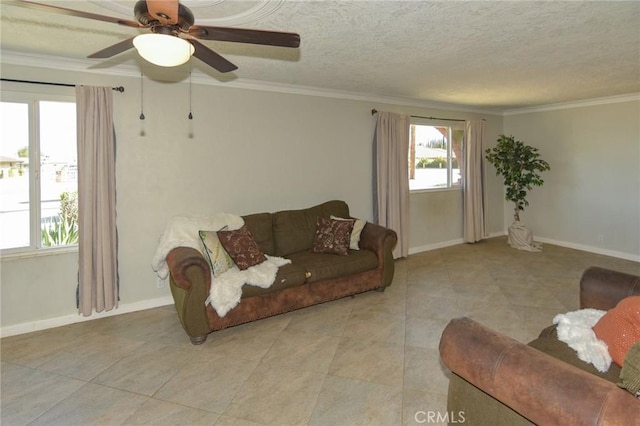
[32,98]
[452,125]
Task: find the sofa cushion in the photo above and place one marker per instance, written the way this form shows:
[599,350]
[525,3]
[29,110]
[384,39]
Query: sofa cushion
[289,275]
[324,266]
[261,228]
[242,247]
[619,328]
[548,343]
[332,236]
[294,230]
[218,258]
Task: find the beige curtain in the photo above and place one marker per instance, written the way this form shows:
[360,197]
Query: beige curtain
[98,268]
[391,176]
[475,201]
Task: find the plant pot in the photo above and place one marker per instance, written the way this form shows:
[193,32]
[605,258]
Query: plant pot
[521,238]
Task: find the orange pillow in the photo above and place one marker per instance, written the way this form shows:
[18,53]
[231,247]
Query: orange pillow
[619,328]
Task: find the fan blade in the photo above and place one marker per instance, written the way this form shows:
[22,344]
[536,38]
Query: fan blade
[241,35]
[211,58]
[71,12]
[165,11]
[113,49]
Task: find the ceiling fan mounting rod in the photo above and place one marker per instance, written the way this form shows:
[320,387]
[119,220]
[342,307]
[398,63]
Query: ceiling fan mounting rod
[165,29]
[183,21]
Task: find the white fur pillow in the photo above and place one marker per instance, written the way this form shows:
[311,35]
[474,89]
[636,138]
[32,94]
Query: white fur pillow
[575,329]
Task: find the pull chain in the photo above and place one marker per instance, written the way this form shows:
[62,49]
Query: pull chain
[190,134]
[190,114]
[142,117]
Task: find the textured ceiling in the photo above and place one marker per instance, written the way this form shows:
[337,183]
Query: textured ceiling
[483,54]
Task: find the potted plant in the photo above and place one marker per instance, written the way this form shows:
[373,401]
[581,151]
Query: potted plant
[520,166]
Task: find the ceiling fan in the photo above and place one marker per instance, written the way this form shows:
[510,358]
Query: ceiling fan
[174,36]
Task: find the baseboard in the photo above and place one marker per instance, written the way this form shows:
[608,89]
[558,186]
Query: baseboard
[28,327]
[125,308]
[590,249]
[435,246]
[443,244]
[582,247]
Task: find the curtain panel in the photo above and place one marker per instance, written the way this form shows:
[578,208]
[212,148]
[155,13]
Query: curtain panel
[391,176]
[98,285]
[474,191]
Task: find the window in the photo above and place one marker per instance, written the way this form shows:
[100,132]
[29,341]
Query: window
[434,156]
[38,172]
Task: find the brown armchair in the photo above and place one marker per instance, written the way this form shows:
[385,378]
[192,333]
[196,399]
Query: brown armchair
[499,381]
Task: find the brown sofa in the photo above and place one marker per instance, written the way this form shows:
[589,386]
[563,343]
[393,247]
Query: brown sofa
[309,279]
[496,380]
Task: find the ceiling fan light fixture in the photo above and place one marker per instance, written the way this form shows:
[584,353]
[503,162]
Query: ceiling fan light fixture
[163,49]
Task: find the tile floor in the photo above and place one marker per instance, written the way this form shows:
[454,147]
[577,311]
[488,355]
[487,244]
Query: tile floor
[368,360]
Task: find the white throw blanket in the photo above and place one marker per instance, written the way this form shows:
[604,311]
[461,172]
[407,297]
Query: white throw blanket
[576,330]
[520,237]
[226,289]
[182,231]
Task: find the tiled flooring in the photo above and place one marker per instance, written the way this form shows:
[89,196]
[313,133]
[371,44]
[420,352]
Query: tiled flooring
[368,360]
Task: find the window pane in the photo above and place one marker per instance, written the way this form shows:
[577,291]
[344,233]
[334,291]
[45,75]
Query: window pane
[457,143]
[431,157]
[14,176]
[58,173]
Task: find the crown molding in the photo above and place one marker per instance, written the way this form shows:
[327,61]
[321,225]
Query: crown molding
[127,70]
[354,96]
[631,97]
[10,57]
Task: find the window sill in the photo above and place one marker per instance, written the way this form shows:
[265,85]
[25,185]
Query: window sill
[422,191]
[28,253]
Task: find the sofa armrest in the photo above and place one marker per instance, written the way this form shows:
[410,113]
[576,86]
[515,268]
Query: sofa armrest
[603,288]
[190,286]
[539,387]
[375,237]
[381,241]
[180,259]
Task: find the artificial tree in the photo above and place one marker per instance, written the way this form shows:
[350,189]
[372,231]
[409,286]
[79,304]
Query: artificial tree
[520,165]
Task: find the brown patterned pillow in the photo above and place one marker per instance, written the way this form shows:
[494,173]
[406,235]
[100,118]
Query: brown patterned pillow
[332,236]
[242,247]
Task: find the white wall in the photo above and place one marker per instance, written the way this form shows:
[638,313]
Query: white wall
[245,151]
[591,196]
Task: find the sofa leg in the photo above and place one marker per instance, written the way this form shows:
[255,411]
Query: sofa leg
[198,340]
[381,289]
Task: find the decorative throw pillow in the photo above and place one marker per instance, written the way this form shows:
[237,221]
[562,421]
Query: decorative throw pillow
[619,328]
[358,226]
[218,258]
[332,236]
[242,247]
[630,373]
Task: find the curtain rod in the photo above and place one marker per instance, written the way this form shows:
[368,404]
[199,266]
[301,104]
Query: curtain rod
[118,89]
[373,111]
